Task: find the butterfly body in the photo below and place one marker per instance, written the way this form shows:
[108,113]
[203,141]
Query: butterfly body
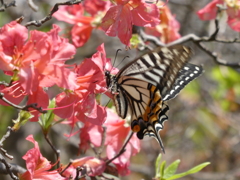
[141,87]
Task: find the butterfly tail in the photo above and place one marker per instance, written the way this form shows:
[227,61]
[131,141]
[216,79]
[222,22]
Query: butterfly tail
[158,125]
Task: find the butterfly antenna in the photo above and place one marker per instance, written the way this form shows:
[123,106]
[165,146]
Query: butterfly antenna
[116,56]
[122,60]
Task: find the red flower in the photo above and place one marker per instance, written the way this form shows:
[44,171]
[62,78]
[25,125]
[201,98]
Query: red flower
[81,104]
[168,28]
[82,28]
[36,63]
[117,132]
[14,93]
[119,19]
[38,166]
[93,166]
[90,133]
[94,6]
[209,12]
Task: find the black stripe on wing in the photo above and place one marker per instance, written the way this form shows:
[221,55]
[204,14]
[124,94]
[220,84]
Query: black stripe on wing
[185,75]
[135,93]
[160,67]
[150,122]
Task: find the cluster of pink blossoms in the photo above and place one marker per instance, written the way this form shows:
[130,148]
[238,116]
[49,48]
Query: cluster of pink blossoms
[209,12]
[36,60]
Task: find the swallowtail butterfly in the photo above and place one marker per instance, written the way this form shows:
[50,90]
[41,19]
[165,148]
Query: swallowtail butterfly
[141,88]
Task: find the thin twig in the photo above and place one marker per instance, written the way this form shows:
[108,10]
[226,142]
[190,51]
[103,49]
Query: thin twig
[8,167]
[104,135]
[4,83]
[38,23]
[9,130]
[57,152]
[122,150]
[25,108]
[69,164]
[198,41]
[4,6]
[16,169]
[3,151]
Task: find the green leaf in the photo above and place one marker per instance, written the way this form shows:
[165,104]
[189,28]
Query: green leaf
[23,117]
[134,41]
[191,171]
[157,166]
[47,118]
[162,167]
[171,169]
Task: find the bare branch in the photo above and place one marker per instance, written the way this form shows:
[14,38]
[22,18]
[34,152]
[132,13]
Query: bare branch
[26,108]
[57,152]
[4,5]
[15,169]
[104,134]
[122,150]
[198,41]
[4,83]
[69,164]
[38,23]
[5,166]
[3,151]
[8,168]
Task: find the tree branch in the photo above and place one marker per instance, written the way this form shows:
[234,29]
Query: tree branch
[26,108]
[4,5]
[38,23]
[198,41]
[6,167]
[122,150]
[57,152]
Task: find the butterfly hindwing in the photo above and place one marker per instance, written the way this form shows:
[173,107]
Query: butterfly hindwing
[185,75]
[141,87]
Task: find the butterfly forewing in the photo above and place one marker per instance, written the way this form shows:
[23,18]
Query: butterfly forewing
[159,67]
[142,86]
[132,93]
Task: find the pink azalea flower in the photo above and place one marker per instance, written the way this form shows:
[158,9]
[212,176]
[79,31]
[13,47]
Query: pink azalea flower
[94,6]
[209,12]
[93,166]
[168,28]
[81,104]
[37,62]
[90,133]
[82,28]
[117,132]
[13,93]
[82,25]
[119,19]
[90,111]
[38,166]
